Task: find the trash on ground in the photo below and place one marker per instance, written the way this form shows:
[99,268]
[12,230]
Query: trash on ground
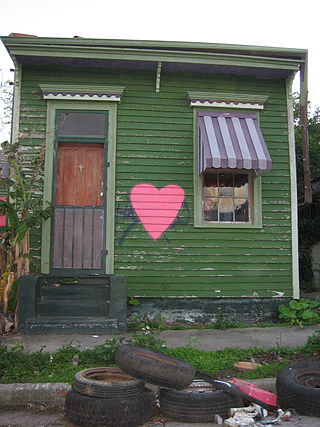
[255,416]
[218,420]
[251,390]
[242,416]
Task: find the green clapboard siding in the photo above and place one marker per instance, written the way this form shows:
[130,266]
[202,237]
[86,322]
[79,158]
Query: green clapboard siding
[155,146]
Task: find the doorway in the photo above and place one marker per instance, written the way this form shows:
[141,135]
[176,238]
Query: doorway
[79,208]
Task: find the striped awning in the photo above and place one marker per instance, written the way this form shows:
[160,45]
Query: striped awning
[231,140]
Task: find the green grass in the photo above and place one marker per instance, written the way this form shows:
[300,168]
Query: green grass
[17,365]
[221,362]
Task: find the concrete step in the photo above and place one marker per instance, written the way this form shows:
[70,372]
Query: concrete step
[74,291]
[81,280]
[65,308]
[70,325]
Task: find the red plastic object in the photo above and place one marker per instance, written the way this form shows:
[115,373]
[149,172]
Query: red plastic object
[256,393]
[3,217]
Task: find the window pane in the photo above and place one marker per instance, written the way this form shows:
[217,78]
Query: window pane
[210,184]
[226,209]
[210,209]
[241,185]
[241,212]
[226,184]
[87,125]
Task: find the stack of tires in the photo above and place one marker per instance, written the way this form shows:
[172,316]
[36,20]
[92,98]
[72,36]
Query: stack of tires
[118,397]
[108,397]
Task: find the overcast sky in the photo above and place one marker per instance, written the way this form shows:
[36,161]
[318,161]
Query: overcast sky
[278,23]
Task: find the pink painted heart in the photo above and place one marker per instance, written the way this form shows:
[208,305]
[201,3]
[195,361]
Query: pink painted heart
[156,209]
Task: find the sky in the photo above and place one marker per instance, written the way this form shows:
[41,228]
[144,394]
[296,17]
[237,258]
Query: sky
[276,23]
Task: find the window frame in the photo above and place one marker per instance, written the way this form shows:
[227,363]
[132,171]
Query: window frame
[256,215]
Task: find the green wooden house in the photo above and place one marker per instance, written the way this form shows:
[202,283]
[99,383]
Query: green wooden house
[169,164]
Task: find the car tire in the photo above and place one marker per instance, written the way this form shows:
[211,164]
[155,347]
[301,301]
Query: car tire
[228,388]
[106,383]
[87,411]
[154,367]
[197,405]
[298,387]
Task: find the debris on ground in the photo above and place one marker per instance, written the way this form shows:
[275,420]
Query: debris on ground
[255,416]
[251,391]
[247,366]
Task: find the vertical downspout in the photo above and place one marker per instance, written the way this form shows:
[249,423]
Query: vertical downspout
[304,129]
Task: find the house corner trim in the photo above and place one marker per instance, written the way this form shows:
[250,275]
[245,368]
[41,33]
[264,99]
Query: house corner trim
[294,202]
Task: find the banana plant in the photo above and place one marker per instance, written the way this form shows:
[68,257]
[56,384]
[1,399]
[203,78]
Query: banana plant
[24,211]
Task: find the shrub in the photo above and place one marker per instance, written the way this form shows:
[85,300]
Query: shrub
[301,312]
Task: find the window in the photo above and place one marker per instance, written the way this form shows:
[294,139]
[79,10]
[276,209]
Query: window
[226,197]
[81,124]
[230,155]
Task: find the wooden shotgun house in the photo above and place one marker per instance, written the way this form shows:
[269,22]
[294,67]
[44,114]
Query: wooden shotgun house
[171,169]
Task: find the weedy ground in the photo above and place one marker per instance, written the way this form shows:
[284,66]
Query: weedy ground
[19,366]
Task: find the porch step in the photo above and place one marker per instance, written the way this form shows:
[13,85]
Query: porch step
[66,308]
[88,297]
[70,325]
[90,305]
[74,291]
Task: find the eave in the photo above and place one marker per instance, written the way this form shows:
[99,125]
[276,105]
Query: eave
[233,59]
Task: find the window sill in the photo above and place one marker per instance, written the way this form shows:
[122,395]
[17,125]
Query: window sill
[226,225]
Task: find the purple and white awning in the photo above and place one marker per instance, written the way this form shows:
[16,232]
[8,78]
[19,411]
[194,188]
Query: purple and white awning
[231,140]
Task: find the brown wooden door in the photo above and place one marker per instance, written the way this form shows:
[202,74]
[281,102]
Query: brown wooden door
[78,222]
[79,175]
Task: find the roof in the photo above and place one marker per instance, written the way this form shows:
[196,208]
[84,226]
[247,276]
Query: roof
[260,61]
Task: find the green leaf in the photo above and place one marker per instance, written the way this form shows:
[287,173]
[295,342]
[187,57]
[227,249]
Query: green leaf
[287,312]
[314,304]
[133,301]
[309,314]
[296,305]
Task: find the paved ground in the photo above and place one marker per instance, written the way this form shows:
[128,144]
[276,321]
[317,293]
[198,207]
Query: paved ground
[34,418]
[35,414]
[205,339]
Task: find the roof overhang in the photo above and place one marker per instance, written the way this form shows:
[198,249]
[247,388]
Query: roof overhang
[265,62]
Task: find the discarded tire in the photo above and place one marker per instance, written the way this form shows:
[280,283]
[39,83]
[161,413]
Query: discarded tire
[298,387]
[87,411]
[200,402]
[153,367]
[218,384]
[106,383]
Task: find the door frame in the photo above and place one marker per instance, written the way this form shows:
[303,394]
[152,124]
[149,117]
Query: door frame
[49,176]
